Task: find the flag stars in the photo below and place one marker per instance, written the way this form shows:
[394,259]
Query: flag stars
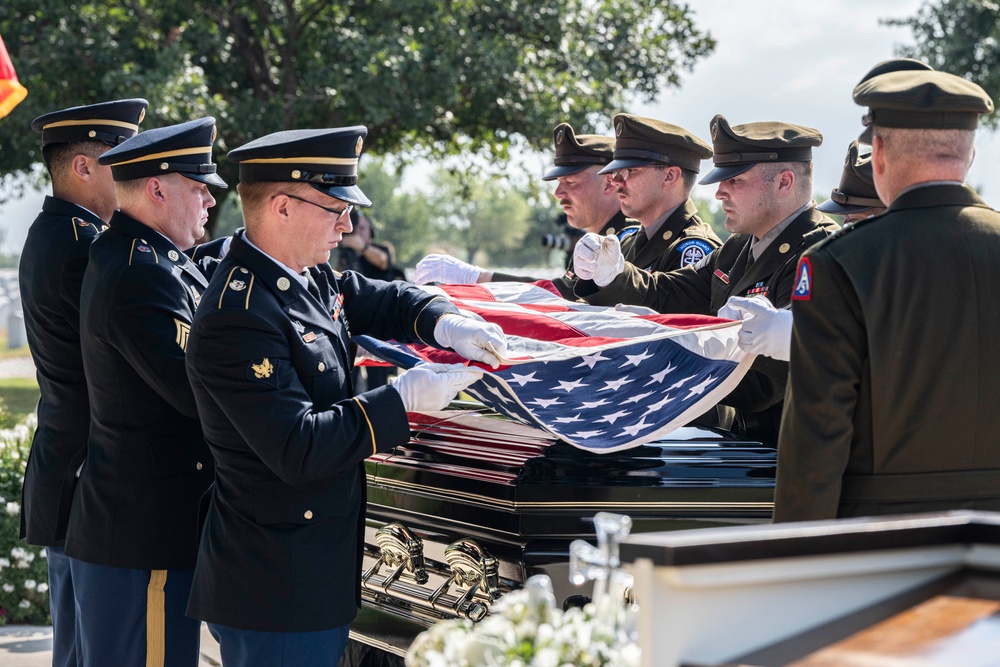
[657,378]
[634,429]
[521,380]
[701,386]
[591,361]
[681,383]
[568,420]
[586,435]
[612,418]
[545,402]
[636,359]
[595,404]
[637,398]
[615,385]
[569,386]
[659,404]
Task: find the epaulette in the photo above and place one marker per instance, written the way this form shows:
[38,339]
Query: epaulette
[140,251]
[78,224]
[237,290]
[840,233]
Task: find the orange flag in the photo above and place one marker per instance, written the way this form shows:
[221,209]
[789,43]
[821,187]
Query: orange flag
[11,92]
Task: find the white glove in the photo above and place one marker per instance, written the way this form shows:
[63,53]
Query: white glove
[430,387]
[445,269]
[598,258]
[766,330]
[473,339]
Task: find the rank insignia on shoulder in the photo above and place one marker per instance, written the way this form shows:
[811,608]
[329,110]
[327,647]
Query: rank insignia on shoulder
[337,307]
[143,248]
[760,288]
[237,285]
[803,281]
[264,370]
[722,275]
[693,251]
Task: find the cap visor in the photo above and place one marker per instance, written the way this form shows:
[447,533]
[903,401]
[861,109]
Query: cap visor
[352,194]
[866,136]
[626,164]
[830,206]
[564,170]
[207,179]
[720,174]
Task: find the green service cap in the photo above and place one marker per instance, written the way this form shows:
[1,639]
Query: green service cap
[922,99]
[641,142]
[738,148]
[575,152]
[857,186]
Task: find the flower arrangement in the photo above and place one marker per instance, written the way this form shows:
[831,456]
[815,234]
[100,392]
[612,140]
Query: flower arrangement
[24,589]
[525,629]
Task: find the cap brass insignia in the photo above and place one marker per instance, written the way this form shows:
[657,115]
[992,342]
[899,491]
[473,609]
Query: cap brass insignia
[357,148]
[142,114]
[619,128]
[263,369]
[215,133]
[559,136]
[715,131]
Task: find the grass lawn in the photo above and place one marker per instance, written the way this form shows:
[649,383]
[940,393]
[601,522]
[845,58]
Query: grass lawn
[20,396]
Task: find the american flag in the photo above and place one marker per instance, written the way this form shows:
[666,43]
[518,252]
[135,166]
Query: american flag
[598,378]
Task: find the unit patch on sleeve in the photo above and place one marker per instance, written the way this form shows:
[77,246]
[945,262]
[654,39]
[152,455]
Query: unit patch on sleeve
[693,251]
[803,281]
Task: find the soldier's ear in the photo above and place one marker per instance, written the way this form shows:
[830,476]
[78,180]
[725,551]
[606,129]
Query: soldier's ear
[81,168]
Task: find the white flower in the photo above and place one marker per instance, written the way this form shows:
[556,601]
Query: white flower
[43,587]
[4,563]
[24,604]
[13,508]
[30,584]
[8,588]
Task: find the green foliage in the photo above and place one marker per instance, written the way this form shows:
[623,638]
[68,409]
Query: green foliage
[711,212]
[426,77]
[24,586]
[480,215]
[403,219]
[961,37]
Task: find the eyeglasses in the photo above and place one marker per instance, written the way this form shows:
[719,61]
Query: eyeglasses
[340,213]
[623,174]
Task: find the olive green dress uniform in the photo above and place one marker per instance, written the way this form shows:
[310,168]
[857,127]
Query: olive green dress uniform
[856,191]
[705,287]
[682,240]
[895,377]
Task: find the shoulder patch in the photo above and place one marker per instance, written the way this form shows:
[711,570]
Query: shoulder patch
[693,251]
[627,232]
[803,281]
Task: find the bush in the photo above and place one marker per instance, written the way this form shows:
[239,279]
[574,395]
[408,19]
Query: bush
[24,596]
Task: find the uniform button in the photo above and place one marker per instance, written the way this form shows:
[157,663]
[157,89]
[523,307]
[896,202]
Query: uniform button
[784,248]
[667,235]
[321,367]
[611,231]
[199,466]
[308,514]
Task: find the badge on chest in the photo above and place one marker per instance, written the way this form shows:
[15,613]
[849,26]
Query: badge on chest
[760,288]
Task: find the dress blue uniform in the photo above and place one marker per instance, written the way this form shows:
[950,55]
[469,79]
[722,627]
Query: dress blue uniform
[51,270]
[270,363]
[132,532]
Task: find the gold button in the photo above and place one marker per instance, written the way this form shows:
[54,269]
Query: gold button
[283,283]
[164,166]
[92,134]
[321,367]
[611,231]
[296,174]
[667,235]
[308,514]
[173,255]
[783,248]
[199,466]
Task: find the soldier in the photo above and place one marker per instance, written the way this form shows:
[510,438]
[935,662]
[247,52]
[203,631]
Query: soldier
[586,196]
[894,381]
[53,260]
[655,167]
[767,330]
[278,574]
[132,534]
[764,172]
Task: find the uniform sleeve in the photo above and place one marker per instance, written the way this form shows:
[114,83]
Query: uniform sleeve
[828,356]
[686,290]
[391,310]
[244,364]
[152,317]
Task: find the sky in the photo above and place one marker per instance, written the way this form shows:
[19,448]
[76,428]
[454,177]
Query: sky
[783,60]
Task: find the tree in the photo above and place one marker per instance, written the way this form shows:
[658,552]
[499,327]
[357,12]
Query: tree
[431,77]
[961,37]
[480,215]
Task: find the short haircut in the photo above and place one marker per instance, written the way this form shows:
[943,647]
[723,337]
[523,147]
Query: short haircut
[57,157]
[126,190]
[925,145]
[690,179]
[803,173]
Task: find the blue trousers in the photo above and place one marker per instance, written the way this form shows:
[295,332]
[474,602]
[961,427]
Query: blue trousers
[250,648]
[62,607]
[134,618]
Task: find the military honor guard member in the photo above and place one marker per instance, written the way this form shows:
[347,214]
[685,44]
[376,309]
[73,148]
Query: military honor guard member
[586,196]
[767,330]
[655,167]
[51,269]
[895,380]
[270,358]
[133,527]
[764,172]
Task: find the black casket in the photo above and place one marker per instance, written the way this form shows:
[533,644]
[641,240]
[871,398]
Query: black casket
[475,504]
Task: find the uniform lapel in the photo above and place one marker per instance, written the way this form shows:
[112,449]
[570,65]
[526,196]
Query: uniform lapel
[777,254]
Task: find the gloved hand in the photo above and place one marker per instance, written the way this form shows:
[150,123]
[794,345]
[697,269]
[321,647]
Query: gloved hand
[473,339]
[598,258]
[445,269]
[766,330]
[430,387]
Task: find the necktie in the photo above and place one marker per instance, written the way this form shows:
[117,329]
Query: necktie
[312,286]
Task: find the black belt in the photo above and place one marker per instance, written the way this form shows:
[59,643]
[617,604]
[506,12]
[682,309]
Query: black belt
[963,485]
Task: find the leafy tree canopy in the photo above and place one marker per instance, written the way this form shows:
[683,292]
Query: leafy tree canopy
[427,77]
[961,37]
